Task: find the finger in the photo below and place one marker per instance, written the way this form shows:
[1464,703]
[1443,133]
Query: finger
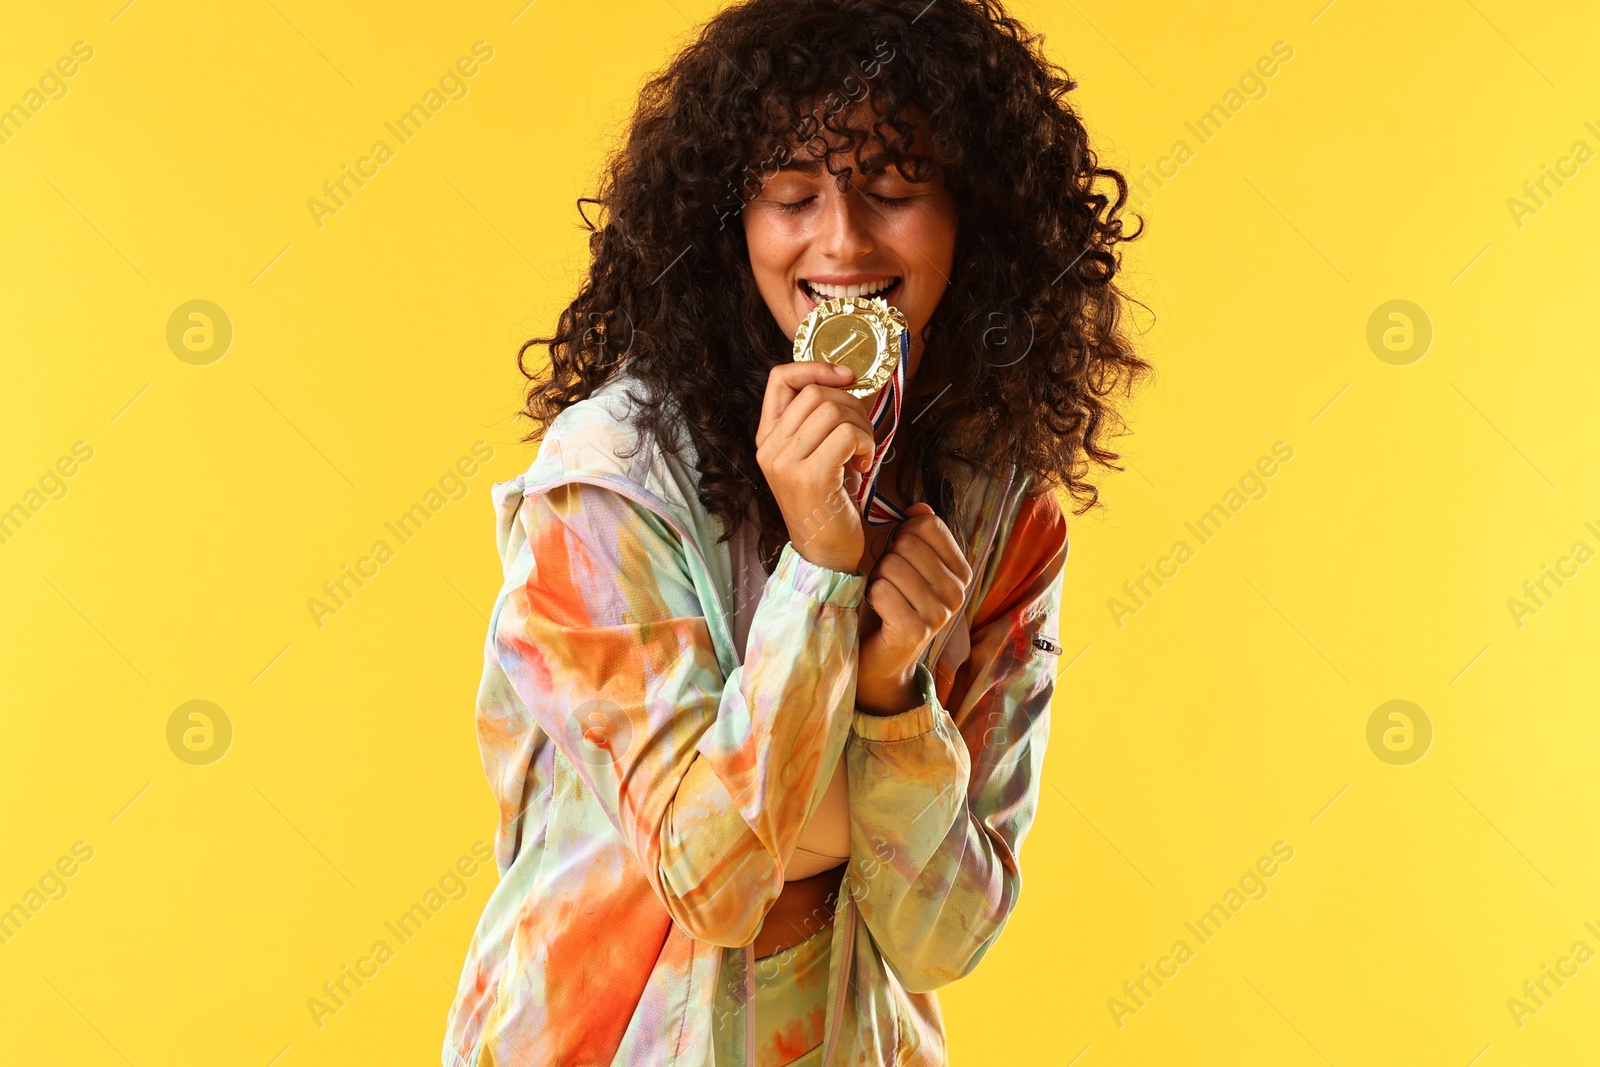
[928,528]
[786,380]
[936,533]
[947,586]
[948,591]
[820,423]
[899,622]
[867,620]
[845,442]
[917,590]
[813,397]
[832,406]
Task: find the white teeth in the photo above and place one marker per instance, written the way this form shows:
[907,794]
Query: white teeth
[833,292]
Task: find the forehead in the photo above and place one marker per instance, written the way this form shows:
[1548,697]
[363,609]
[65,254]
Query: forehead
[806,156]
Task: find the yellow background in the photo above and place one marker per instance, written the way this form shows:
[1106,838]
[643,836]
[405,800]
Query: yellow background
[369,354]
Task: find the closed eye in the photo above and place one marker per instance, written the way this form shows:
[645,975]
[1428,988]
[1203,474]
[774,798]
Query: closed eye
[800,205]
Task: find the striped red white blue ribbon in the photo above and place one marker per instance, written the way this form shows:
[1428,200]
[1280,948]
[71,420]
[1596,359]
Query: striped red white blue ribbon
[880,511]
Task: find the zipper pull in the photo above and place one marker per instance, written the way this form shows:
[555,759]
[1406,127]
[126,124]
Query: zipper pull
[1044,644]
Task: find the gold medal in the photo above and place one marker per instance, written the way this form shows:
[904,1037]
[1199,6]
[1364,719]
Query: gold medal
[862,333]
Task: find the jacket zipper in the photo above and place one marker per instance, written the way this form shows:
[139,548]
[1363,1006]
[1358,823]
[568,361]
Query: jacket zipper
[845,967]
[750,1005]
[931,654]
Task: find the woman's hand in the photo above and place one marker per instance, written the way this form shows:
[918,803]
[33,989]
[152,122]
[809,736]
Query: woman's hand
[813,444]
[916,587]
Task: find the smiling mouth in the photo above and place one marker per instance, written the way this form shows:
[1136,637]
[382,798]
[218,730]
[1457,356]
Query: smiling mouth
[881,289]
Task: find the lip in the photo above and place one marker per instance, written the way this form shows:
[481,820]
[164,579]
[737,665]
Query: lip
[887,295]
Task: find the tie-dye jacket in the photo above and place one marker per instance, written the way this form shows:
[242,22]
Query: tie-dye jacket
[652,782]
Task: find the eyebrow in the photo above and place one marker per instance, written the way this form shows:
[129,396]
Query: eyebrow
[809,167]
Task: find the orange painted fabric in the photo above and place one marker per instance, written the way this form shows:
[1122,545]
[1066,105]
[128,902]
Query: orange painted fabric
[653,774]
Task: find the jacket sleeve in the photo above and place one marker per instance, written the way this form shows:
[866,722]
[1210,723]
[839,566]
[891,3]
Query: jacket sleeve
[709,779]
[941,799]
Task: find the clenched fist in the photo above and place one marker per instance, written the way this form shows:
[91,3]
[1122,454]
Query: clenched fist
[917,586]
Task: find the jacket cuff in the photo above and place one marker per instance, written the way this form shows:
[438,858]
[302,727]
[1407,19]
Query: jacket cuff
[818,582]
[904,725]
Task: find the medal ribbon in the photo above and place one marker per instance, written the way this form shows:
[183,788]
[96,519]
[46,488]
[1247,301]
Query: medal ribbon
[885,409]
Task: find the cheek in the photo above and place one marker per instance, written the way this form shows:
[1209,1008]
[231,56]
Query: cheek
[927,238]
[770,259]
[930,243]
[766,250]
[942,228]
[760,265]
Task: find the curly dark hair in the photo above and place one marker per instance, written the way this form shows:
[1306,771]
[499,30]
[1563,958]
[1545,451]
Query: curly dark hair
[670,289]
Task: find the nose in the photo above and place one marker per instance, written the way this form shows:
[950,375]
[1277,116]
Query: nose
[847,224]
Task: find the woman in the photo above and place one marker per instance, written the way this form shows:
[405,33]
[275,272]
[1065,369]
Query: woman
[764,765]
